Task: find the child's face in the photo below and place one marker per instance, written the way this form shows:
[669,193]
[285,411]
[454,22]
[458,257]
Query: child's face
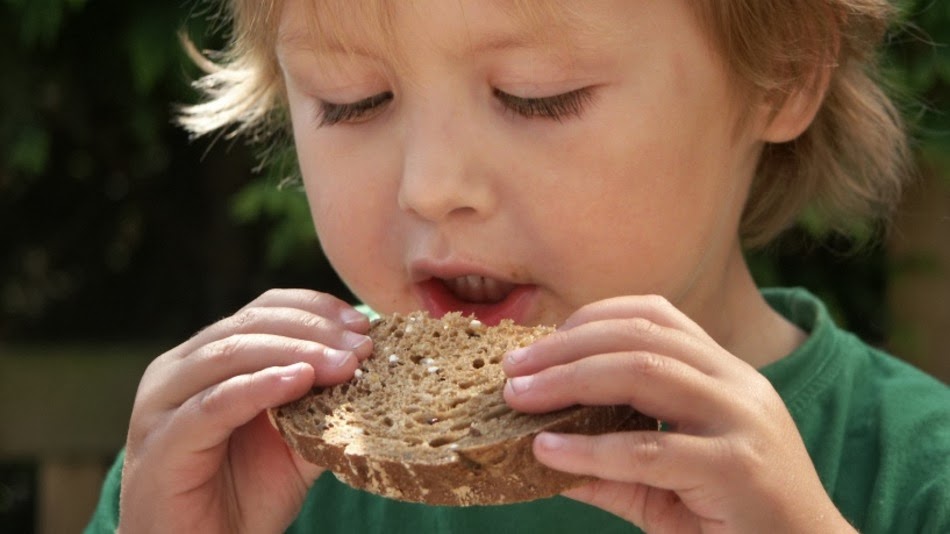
[499,173]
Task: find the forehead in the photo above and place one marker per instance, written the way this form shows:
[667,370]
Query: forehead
[372,27]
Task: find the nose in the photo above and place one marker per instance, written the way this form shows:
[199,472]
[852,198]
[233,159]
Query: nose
[442,175]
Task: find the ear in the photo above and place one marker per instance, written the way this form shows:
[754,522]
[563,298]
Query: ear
[791,116]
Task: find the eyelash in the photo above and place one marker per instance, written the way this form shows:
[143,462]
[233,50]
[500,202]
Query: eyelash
[557,107]
[358,111]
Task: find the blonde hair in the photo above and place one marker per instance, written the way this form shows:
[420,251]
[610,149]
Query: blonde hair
[847,169]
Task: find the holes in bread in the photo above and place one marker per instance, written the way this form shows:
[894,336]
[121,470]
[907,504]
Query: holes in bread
[478,363]
[441,441]
[495,412]
[491,390]
[318,405]
[388,421]
[459,426]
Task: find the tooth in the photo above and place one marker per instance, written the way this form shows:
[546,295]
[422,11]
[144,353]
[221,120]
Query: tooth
[490,289]
[475,288]
[475,291]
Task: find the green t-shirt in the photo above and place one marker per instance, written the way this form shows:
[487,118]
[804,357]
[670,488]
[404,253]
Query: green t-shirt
[877,429]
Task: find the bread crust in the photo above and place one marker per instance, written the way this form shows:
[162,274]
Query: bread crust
[499,473]
[465,472]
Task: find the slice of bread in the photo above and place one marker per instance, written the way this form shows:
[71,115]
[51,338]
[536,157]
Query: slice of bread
[424,419]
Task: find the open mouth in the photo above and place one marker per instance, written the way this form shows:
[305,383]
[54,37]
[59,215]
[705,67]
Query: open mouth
[478,289]
[490,300]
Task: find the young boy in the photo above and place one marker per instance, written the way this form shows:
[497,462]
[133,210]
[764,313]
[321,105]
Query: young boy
[596,165]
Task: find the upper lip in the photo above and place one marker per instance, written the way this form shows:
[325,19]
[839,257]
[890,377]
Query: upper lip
[427,269]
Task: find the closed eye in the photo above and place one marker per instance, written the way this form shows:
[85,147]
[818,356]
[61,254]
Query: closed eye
[361,110]
[556,107]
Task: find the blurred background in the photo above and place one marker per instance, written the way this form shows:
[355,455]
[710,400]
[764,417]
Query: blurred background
[120,237]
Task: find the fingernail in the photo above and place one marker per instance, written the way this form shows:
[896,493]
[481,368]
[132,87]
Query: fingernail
[353,317]
[520,384]
[551,442]
[517,356]
[354,340]
[338,358]
[291,372]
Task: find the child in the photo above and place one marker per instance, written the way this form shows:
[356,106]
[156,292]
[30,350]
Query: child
[596,165]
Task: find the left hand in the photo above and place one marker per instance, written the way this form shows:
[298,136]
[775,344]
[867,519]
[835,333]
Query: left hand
[733,460]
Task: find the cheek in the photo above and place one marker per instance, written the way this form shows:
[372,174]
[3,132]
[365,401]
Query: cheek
[351,203]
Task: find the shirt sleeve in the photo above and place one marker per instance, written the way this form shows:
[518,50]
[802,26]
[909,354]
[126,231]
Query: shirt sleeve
[105,519]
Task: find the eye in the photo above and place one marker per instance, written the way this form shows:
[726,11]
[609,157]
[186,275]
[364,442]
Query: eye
[361,110]
[556,107]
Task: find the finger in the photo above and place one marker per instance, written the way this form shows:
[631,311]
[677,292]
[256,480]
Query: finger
[656,385]
[653,308]
[208,419]
[288,322]
[244,354]
[651,509]
[315,302]
[327,316]
[671,461]
[268,438]
[616,335]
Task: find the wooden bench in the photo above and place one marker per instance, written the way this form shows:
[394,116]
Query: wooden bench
[66,409]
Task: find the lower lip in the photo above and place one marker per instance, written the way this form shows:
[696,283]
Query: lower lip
[438,300]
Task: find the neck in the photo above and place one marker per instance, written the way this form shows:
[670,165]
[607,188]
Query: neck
[733,311]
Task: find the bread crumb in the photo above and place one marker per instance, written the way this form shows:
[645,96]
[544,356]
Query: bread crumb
[393,358]
[427,361]
[358,373]
[433,369]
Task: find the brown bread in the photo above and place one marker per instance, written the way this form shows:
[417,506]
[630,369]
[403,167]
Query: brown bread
[424,419]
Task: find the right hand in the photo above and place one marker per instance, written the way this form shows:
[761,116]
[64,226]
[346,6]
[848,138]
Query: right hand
[201,454]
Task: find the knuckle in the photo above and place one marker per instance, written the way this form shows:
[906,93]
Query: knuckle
[761,395]
[658,302]
[644,364]
[212,400]
[245,319]
[223,350]
[643,327]
[745,457]
[646,448]
[314,297]
[274,293]
[314,322]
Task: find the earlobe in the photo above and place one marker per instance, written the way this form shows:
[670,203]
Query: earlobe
[795,113]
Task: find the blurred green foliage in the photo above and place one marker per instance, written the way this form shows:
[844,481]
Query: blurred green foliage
[113,224]
[918,69]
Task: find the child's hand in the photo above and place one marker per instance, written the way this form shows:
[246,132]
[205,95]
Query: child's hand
[202,455]
[733,460]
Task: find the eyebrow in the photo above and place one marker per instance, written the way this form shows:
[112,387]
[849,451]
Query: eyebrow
[303,40]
